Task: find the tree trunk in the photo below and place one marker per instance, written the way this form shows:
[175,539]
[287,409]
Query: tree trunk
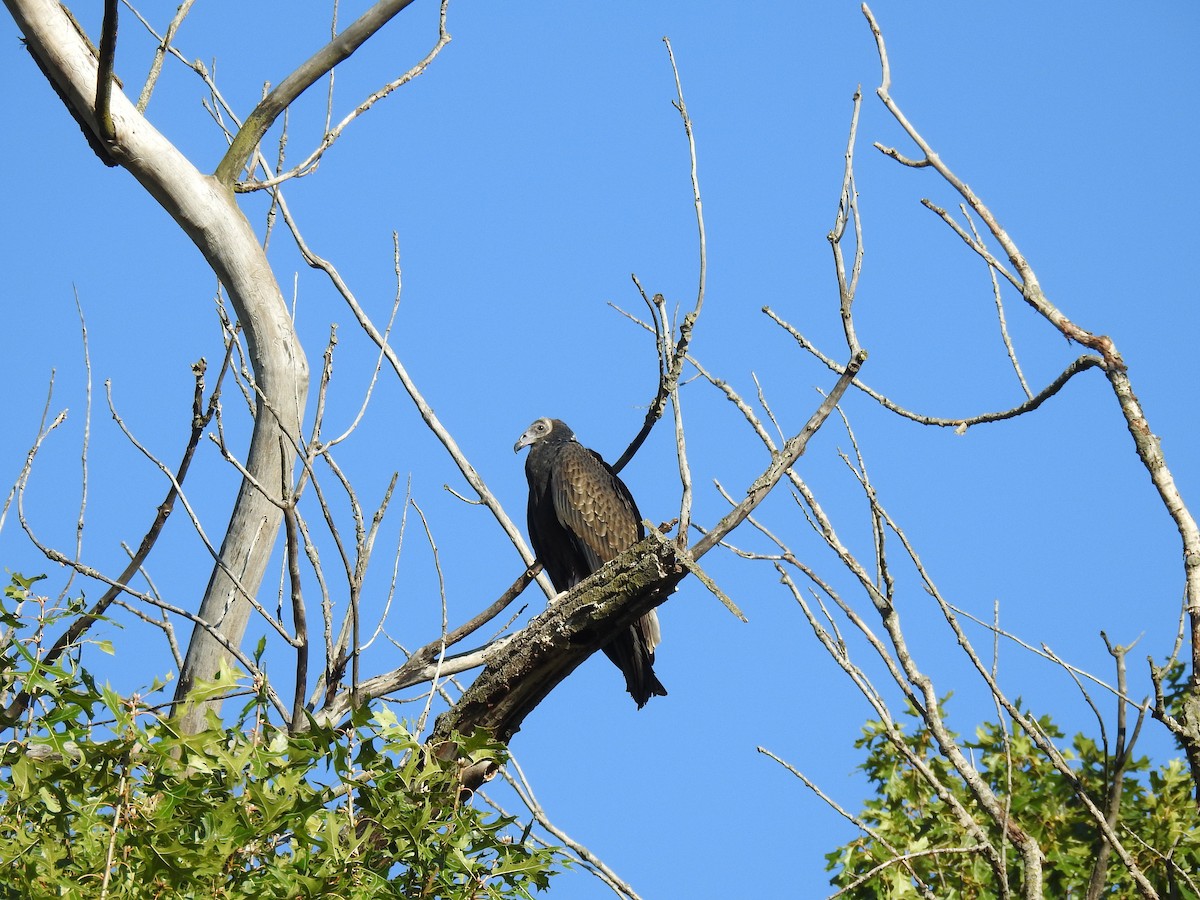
[206,211]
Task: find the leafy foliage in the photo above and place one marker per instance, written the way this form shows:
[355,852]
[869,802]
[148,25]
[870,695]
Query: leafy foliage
[100,795]
[1156,820]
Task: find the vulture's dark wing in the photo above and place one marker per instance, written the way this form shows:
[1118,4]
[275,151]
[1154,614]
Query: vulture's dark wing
[552,543]
[597,510]
[594,506]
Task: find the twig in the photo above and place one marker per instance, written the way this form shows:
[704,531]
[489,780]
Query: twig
[521,785]
[1002,723]
[898,857]
[1008,344]
[441,653]
[299,616]
[118,812]
[694,568]
[104,73]
[387,331]
[84,441]
[702,244]
[671,355]
[1081,364]
[164,624]
[848,210]
[781,461]
[160,52]
[689,322]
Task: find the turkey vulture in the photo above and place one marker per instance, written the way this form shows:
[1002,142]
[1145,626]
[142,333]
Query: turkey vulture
[581,515]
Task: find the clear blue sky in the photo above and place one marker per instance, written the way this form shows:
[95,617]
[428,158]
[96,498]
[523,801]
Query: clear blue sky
[533,168]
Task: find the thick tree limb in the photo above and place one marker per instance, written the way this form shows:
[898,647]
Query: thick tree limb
[554,644]
[108,57]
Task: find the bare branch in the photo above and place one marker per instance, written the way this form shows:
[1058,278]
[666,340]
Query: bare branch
[299,616]
[898,857]
[672,356]
[848,210]
[104,72]
[441,642]
[521,785]
[310,163]
[1146,443]
[685,474]
[85,440]
[82,623]
[160,52]
[781,461]
[1081,364]
[339,49]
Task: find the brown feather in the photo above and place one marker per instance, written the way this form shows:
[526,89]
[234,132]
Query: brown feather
[588,503]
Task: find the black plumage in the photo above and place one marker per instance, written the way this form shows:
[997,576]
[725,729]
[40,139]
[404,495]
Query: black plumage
[581,515]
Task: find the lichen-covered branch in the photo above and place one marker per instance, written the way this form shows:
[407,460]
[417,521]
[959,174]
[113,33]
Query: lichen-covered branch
[556,642]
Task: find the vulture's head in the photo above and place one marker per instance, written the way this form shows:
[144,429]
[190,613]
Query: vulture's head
[544,429]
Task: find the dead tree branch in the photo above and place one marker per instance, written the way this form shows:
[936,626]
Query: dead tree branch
[520,674]
[1148,447]
[81,624]
[556,642]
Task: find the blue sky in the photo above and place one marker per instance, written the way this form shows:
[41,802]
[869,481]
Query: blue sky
[527,174]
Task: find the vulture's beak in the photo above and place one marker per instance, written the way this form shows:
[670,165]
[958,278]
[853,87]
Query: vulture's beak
[525,440]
